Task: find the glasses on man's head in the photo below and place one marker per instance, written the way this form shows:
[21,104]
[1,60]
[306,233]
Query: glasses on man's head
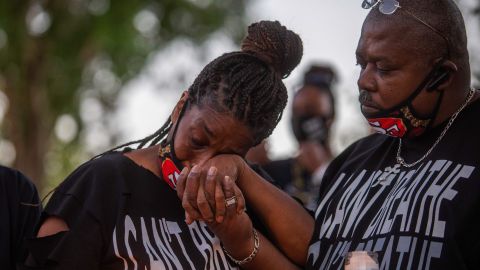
[388,7]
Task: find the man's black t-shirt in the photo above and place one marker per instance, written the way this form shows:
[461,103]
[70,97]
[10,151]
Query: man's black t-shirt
[424,217]
[19,212]
[122,216]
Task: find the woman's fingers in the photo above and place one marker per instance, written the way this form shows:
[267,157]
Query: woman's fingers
[241,205]
[210,184]
[230,198]
[189,199]
[219,202]
[182,179]
[203,205]
[214,194]
[209,197]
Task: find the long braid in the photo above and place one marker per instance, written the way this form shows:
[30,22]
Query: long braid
[155,137]
[162,134]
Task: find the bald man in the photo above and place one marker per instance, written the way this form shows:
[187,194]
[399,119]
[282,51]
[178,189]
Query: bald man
[409,195]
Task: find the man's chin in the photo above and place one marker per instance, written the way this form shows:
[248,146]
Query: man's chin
[368,110]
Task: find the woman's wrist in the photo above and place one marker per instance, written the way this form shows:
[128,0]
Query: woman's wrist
[241,256]
[244,174]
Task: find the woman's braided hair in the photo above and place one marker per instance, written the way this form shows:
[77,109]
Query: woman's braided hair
[247,84]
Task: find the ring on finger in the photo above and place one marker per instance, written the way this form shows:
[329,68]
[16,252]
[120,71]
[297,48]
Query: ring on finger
[231,201]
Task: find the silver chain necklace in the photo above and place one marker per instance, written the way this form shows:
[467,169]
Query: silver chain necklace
[402,162]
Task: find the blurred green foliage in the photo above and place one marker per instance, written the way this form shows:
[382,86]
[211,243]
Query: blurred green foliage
[52,51]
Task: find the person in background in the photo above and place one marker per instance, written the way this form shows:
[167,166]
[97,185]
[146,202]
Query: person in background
[259,154]
[20,209]
[313,112]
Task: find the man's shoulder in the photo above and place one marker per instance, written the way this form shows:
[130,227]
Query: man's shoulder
[365,145]
[359,152]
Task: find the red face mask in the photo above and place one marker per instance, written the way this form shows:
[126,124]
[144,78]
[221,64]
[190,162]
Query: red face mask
[170,165]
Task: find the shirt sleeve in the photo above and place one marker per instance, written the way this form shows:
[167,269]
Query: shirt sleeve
[83,200]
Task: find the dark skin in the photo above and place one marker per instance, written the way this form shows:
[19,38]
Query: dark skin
[258,192]
[236,230]
[391,71]
[202,135]
[389,74]
[311,101]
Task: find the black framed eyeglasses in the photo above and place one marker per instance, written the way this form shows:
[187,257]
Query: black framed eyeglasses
[388,7]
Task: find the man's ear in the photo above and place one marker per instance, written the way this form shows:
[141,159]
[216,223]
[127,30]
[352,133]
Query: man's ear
[178,108]
[443,77]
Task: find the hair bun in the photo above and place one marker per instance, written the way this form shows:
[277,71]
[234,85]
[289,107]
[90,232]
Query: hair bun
[320,75]
[274,44]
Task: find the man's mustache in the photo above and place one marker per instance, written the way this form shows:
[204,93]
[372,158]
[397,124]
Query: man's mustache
[364,97]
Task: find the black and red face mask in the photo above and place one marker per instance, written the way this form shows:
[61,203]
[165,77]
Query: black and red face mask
[402,120]
[170,165]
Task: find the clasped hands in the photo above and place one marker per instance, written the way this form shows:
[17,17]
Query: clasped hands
[208,191]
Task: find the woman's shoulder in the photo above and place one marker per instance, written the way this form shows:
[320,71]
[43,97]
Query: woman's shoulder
[105,172]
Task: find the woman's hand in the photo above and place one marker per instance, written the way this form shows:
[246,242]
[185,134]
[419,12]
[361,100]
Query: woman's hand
[202,189]
[204,199]
[231,225]
[236,229]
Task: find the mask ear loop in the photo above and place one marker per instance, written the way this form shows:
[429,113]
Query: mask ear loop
[436,109]
[407,102]
[170,139]
[426,84]
[427,81]
[432,85]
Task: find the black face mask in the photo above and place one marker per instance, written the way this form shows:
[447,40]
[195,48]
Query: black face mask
[402,120]
[310,128]
[170,165]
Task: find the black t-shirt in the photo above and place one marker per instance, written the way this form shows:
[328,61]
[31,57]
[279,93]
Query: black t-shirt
[295,180]
[122,216]
[424,217]
[19,212]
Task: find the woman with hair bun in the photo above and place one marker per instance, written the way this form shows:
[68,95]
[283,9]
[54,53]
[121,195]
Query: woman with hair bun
[120,210]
